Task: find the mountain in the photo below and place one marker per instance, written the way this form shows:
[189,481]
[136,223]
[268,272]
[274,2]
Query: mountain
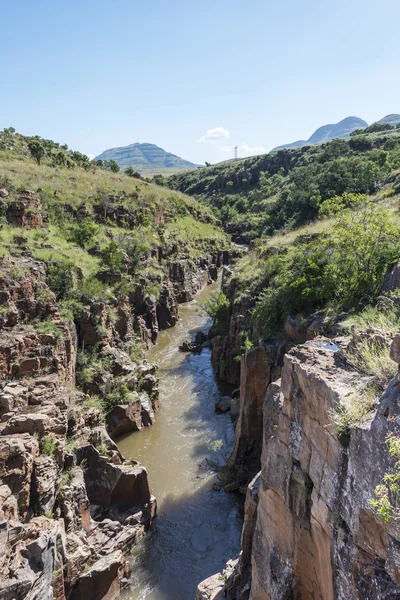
[390,119]
[145,158]
[329,132]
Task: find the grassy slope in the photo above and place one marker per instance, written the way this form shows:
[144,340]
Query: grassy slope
[165,216]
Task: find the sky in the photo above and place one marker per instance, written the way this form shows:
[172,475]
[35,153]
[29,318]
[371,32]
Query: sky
[196,78]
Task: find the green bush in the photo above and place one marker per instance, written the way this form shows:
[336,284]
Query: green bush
[48,446]
[84,233]
[218,307]
[387,494]
[342,270]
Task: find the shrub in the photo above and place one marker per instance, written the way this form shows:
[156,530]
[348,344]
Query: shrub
[386,498]
[217,307]
[119,395]
[48,328]
[342,270]
[60,278]
[84,233]
[48,446]
[352,409]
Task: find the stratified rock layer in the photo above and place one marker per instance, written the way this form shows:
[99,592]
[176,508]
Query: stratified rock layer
[309,530]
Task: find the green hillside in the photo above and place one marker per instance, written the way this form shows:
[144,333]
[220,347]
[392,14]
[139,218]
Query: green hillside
[262,195]
[146,158]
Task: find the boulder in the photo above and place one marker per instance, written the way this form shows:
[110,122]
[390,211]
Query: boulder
[223,404]
[102,581]
[131,417]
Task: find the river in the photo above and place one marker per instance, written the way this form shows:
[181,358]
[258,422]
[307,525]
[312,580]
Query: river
[197,529]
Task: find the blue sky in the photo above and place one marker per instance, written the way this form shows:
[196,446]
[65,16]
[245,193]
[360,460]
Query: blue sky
[99,74]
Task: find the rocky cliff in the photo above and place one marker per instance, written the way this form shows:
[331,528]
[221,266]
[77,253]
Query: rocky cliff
[309,528]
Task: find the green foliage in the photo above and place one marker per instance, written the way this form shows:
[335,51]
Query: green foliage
[84,233]
[373,316]
[111,164]
[352,409]
[48,446]
[120,394]
[94,401]
[113,257]
[261,195]
[218,307]
[37,150]
[102,449]
[48,328]
[343,269]
[373,358]
[67,478]
[60,278]
[333,206]
[386,498]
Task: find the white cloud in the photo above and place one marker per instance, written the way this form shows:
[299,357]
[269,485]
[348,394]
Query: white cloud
[211,135]
[244,150]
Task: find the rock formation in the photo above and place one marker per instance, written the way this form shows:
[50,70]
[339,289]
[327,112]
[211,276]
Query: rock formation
[309,529]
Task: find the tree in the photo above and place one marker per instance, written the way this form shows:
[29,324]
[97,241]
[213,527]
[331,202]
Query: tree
[60,159]
[84,233]
[9,130]
[37,150]
[130,172]
[113,166]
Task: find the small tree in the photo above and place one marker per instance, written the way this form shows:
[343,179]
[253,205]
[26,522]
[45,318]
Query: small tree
[9,130]
[130,172]
[113,166]
[37,150]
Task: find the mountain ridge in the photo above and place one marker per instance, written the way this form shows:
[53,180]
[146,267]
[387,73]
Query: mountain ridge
[145,157]
[328,132]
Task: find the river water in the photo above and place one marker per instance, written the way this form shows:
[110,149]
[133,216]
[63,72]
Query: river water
[197,529]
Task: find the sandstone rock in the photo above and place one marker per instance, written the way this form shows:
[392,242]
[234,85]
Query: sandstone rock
[102,580]
[315,534]
[114,490]
[17,455]
[257,371]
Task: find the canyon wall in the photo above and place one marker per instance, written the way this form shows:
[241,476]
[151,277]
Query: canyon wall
[70,504]
[309,530]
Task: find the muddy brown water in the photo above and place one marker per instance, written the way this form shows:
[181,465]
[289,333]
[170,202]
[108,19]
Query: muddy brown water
[197,529]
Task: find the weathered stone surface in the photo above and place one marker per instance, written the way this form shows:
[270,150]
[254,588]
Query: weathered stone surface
[315,534]
[131,417]
[257,371]
[102,581]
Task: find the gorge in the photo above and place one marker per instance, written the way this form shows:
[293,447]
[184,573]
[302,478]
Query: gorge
[106,423]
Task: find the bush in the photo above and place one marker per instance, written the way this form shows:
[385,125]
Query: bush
[217,307]
[84,233]
[342,270]
[48,446]
[60,278]
[386,499]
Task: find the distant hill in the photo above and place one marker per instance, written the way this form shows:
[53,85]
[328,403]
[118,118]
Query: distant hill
[329,132]
[390,119]
[146,158]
